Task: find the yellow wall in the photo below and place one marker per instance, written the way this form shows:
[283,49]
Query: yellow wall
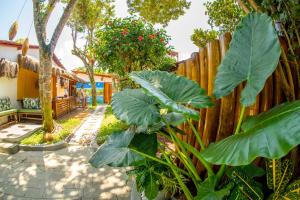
[27,84]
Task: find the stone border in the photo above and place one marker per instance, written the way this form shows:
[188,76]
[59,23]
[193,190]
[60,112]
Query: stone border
[44,147]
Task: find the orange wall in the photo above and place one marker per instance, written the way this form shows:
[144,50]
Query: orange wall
[27,84]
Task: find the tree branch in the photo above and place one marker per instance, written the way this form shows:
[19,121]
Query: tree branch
[50,8]
[39,26]
[62,22]
[254,5]
[243,6]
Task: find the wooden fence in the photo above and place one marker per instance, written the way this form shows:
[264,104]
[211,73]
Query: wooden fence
[219,121]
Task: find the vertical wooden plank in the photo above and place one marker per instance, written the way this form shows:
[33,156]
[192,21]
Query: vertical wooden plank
[189,136]
[278,93]
[227,106]
[203,84]
[196,76]
[212,114]
[196,67]
[266,96]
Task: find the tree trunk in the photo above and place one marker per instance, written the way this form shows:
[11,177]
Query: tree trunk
[45,78]
[90,70]
[94,93]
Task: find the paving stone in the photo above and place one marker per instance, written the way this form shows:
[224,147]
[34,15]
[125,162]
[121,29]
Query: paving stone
[34,193]
[63,174]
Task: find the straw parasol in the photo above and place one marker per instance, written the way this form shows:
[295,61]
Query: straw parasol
[8,68]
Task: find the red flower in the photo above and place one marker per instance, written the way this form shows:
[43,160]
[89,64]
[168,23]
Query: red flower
[125,32]
[161,40]
[140,38]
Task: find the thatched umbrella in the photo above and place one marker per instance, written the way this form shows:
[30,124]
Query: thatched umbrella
[8,68]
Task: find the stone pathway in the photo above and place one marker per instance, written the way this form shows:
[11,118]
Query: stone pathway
[89,129]
[64,174]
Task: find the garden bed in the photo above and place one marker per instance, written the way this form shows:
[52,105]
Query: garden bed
[65,128]
[110,124]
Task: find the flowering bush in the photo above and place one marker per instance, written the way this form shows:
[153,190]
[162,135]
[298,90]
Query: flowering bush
[131,44]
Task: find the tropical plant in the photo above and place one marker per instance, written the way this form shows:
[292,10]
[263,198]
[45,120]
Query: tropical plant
[165,101]
[279,176]
[152,177]
[131,44]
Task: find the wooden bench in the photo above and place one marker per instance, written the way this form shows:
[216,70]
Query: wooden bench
[30,114]
[12,116]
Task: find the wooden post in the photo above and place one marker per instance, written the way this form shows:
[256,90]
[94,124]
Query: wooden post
[212,114]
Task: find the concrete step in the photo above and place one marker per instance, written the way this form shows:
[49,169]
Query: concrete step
[9,148]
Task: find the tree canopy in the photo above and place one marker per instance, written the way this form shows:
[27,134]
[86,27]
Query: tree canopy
[131,44]
[158,12]
[223,16]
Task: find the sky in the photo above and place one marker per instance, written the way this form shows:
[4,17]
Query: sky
[180,30]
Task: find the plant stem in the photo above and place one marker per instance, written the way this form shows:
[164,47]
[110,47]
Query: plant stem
[197,135]
[194,151]
[238,127]
[172,166]
[186,160]
[220,173]
[237,130]
[180,182]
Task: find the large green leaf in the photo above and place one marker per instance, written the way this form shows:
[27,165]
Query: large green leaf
[294,187]
[207,190]
[279,174]
[135,107]
[173,92]
[246,186]
[117,151]
[252,57]
[271,135]
[151,186]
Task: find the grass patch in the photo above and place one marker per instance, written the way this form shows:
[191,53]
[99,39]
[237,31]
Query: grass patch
[68,126]
[110,124]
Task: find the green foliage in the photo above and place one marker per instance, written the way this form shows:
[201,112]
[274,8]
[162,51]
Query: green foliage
[109,125]
[163,87]
[279,174]
[223,14]
[253,64]
[68,126]
[157,11]
[131,44]
[245,186]
[152,177]
[264,135]
[201,37]
[207,190]
[88,14]
[119,149]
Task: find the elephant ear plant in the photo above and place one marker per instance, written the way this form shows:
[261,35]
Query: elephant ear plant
[165,101]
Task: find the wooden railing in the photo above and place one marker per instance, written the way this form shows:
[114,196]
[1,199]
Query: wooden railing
[219,121]
[62,106]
